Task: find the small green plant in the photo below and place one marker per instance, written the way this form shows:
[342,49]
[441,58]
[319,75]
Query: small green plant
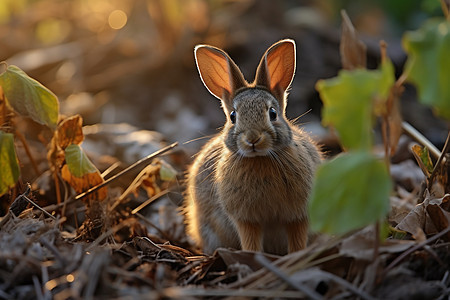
[25,97]
[352,190]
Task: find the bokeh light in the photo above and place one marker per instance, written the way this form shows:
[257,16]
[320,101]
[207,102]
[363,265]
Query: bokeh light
[117,19]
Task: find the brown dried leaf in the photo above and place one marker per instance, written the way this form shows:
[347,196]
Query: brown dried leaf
[70,132]
[395,120]
[84,183]
[440,218]
[361,245]
[414,221]
[243,257]
[353,51]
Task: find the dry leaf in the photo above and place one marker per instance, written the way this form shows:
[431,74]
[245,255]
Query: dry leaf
[440,218]
[243,257]
[70,132]
[361,245]
[84,183]
[394,119]
[353,51]
[414,221]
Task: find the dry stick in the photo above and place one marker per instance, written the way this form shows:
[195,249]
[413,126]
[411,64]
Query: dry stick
[143,160]
[412,249]
[304,289]
[358,292]
[112,230]
[148,201]
[149,223]
[184,292]
[110,169]
[441,157]
[445,4]
[38,207]
[57,189]
[292,262]
[412,132]
[27,150]
[130,188]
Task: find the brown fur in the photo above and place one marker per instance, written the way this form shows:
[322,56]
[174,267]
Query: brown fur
[248,187]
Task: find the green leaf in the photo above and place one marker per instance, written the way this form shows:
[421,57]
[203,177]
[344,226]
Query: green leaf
[349,100]
[428,64]
[350,192]
[28,97]
[9,166]
[77,161]
[167,172]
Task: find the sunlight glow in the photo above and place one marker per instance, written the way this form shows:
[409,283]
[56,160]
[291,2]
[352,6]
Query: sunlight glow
[117,19]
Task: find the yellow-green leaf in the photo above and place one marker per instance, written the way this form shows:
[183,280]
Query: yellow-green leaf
[28,97]
[349,100]
[422,156]
[350,192]
[81,174]
[77,161]
[9,166]
[428,64]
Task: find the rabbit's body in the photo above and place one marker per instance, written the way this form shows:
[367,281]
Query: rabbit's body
[248,186]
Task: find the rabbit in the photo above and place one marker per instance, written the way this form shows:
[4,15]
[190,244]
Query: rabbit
[248,186]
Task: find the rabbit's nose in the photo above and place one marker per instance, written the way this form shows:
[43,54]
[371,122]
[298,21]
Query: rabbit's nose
[252,138]
[253,142]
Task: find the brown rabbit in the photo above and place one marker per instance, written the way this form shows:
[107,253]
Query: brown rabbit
[248,187]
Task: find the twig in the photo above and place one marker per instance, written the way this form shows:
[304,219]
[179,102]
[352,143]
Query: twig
[421,139]
[183,292]
[37,288]
[445,5]
[146,221]
[58,190]
[438,163]
[53,249]
[115,177]
[304,289]
[27,150]
[358,292]
[109,232]
[133,186]
[415,248]
[110,169]
[147,202]
[38,207]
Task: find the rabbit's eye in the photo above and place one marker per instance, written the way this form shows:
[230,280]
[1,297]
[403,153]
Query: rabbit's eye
[233,117]
[272,114]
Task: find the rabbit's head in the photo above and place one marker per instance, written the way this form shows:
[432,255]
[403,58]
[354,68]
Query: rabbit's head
[256,123]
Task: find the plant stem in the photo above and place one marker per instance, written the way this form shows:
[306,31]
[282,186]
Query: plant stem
[421,139]
[438,163]
[27,150]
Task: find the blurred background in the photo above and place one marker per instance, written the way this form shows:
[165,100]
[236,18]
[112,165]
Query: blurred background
[131,61]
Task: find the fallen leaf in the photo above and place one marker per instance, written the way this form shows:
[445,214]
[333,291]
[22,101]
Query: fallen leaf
[70,132]
[361,245]
[352,50]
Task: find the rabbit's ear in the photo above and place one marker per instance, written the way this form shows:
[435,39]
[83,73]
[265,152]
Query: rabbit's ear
[218,72]
[277,68]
